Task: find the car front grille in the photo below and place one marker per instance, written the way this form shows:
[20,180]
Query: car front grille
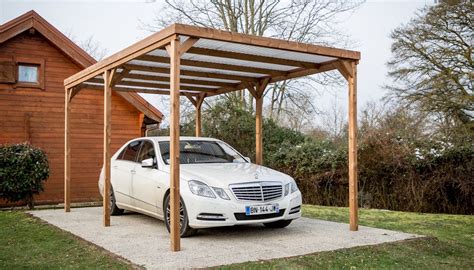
[243,216]
[259,191]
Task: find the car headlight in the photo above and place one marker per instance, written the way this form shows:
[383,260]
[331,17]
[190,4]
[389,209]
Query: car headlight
[221,192]
[287,189]
[293,187]
[200,189]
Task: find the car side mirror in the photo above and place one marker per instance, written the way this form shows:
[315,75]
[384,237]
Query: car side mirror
[248,159]
[147,163]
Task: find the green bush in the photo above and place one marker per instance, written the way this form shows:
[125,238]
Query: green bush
[23,169]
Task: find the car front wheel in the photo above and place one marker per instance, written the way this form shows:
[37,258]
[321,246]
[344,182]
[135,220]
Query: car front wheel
[185,230]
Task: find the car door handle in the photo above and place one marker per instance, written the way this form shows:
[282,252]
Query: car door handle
[133,171]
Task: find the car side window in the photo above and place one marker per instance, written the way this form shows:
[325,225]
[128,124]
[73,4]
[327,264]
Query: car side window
[130,152]
[147,151]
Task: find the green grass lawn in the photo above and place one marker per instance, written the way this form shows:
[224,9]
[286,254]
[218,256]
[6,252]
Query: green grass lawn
[28,243]
[450,243]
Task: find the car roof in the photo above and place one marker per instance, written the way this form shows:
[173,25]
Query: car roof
[182,138]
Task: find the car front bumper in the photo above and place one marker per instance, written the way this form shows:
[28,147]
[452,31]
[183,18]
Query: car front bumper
[216,212]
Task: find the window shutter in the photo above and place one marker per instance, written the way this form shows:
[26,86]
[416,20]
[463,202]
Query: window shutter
[7,72]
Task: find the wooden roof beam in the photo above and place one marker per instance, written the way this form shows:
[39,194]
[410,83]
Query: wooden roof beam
[194,63]
[193,73]
[137,90]
[149,44]
[189,81]
[155,85]
[251,57]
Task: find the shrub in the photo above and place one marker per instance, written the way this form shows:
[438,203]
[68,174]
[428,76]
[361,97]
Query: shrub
[23,169]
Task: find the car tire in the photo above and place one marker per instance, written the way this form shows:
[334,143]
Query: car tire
[185,229]
[278,224]
[114,209]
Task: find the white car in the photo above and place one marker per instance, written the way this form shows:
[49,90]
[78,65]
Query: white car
[218,186]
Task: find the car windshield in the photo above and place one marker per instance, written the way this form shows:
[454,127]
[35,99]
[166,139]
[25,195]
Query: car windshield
[194,152]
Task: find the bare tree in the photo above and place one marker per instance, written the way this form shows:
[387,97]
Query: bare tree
[90,45]
[309,21]
[432,64]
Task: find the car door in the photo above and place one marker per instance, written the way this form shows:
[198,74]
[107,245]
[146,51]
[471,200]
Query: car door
[146,187]
[122,173]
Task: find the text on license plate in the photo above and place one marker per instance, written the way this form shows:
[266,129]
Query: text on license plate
[261,209]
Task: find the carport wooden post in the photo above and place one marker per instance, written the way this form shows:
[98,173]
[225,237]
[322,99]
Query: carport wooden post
[67,150]
[259,89]
[108,74]
[197,102]
[348,69]
[353,183]
[173,51]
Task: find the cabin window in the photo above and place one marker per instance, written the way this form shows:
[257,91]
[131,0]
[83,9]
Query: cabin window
[28,73]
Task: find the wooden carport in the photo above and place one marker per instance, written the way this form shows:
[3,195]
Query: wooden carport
[197,63]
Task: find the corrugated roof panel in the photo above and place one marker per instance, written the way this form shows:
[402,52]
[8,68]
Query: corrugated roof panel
[199,69]
[183,76]
[261,51]
[223,60]
[167,83]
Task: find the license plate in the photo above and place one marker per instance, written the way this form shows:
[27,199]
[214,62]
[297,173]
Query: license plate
[261,209]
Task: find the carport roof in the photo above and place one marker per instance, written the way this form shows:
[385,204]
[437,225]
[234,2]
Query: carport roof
[213,62]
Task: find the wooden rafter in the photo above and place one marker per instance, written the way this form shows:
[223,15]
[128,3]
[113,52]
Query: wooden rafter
[141,48]
[193,73]
[204,64]
[188,81]
[156,85]
[139,90]
[250,57]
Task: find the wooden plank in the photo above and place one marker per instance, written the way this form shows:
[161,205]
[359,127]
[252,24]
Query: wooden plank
[194,73]
[353,183]
[259,89]
[189,81]
[345,69]
[155,85]
[258,130]
[302,72]
[67,151]
[266,42]
[108,74]
[251,57]
[187,44]
[174,144]
[251,88]
[119,76]
[138,90]
[204,64]
[191,99]
[142,47]
[198,105]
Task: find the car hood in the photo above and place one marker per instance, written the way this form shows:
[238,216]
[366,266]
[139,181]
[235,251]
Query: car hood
[223,174]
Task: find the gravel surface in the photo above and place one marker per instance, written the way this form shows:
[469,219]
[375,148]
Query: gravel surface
[144,240]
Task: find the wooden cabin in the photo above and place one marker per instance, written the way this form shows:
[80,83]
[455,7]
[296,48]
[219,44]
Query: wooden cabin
[35,58]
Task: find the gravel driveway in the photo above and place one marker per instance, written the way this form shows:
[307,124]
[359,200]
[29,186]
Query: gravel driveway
[145,241]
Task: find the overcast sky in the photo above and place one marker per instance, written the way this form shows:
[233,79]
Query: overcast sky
[115,25]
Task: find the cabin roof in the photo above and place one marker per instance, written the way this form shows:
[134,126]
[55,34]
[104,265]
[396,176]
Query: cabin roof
[33,20]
